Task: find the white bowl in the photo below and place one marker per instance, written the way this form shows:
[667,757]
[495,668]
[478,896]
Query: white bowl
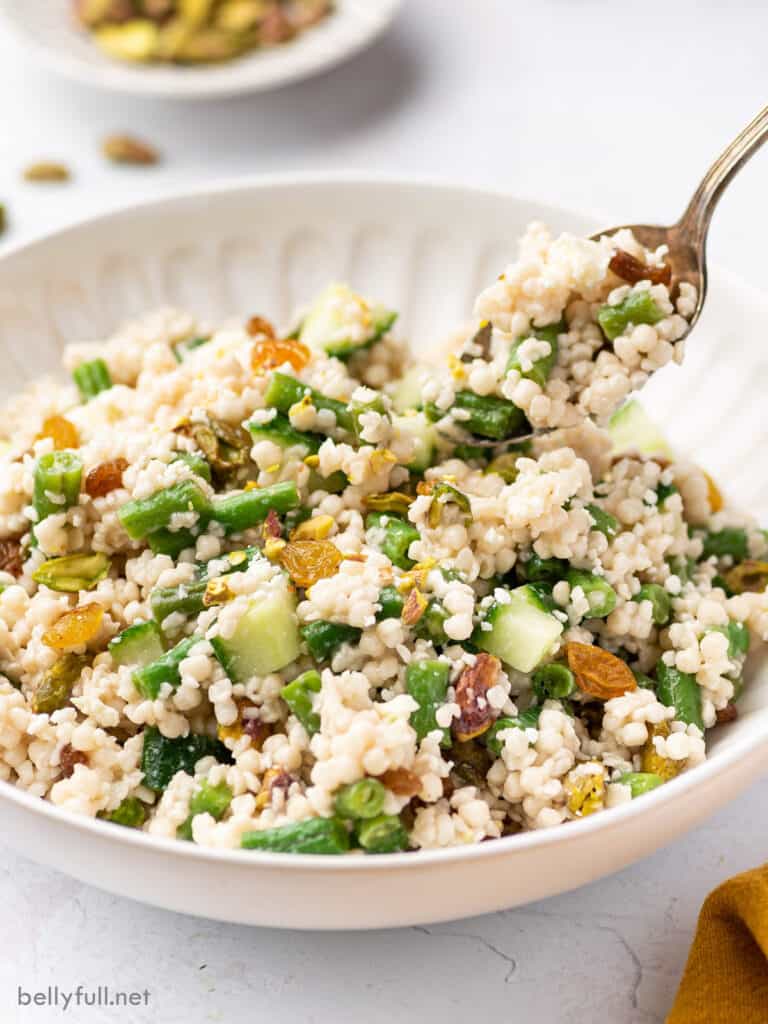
[48,29]
[263,247]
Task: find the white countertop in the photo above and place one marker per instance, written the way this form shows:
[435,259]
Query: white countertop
[595,105]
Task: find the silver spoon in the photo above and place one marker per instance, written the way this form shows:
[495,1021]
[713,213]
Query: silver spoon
[686,240]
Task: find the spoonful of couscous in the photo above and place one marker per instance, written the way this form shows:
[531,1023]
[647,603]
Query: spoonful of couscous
[550,340]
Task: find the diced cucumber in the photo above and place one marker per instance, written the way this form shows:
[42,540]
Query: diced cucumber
[138,645]
[423,433]
[631,429]
[340,322]
[406,393]
[522,633]
[265,639]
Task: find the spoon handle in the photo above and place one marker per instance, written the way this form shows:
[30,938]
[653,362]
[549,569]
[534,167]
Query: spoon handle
[694,223]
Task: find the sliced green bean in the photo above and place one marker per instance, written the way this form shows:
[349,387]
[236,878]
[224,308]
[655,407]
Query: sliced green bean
[298,695]
[325,638]
[679,690]
[661,602]
[360,800]
[318,835]
[57,480]
[92,378]
[427,683]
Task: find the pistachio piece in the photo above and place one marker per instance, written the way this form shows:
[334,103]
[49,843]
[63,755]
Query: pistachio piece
[47,170]
[94,12]
[136,40]
[239,15]
[125,149]
[195,12]
[208,45]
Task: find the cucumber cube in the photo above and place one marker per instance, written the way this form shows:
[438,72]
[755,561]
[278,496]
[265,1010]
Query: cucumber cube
[265,639]
[522,633]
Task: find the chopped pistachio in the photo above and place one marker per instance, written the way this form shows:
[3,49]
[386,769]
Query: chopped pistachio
[47,171]
[125,149]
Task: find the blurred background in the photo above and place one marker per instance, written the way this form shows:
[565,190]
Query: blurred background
[601,106]
[614,109]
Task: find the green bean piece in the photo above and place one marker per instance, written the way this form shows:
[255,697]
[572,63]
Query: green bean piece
[489,416]
[599,593]
[298,695]
[284,391]
[397,537]
[553,682]
[528,719]
[679,690]
[359,800]
[427,683]
[280,431]
[149,679]
[325,638]
[542,570]
[738,638]
[92,378]
[238,512]
[199,466]
[476,453]
[391,601]
[728,542]
[542,367]
[384,834]
[57,480]
[663,491]
[171,542]
[55,688]
[638,307]
[431,625]
[327,836]
[683,568]
[186,598]
[603,521]
[142,516]
[73,573]
[209,799]
[162,757]
[642,680]
[131,813]
[661,602]
[640,782]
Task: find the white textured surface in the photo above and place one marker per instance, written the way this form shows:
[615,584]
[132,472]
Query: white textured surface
[584,104]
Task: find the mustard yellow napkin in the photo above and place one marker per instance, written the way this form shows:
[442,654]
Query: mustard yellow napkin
[726,977]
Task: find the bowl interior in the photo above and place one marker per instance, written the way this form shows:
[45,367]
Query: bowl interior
[426,250]
[48,25]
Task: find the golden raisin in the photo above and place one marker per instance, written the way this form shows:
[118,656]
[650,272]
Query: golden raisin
[597,672]
[308,561]
[475,681]
[68,758]
[258,327]
[727,714]
[270,353]
[401,781]
[61,432]
[630,269]
[76,627]
[105,478]
[10,557]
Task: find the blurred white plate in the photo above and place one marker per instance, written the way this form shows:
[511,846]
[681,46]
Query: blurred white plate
[48,28]
[425,249]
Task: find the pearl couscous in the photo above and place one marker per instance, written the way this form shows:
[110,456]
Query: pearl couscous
[295,592]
